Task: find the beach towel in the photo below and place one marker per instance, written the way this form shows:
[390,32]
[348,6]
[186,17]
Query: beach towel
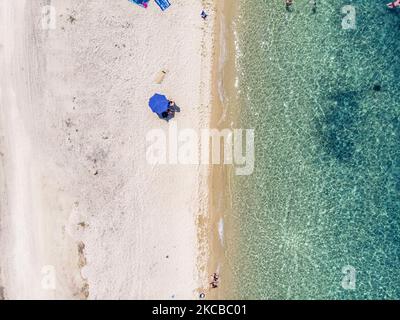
[163,4]
[142,3]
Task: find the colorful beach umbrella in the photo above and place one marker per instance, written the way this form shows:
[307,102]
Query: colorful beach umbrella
[159,103]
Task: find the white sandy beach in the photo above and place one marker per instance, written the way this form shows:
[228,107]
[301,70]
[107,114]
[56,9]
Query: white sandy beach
[77,194]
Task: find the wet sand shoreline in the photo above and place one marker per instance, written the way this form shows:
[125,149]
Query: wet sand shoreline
[223,116]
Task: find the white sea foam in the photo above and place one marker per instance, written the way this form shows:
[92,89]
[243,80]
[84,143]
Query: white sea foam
[221,230]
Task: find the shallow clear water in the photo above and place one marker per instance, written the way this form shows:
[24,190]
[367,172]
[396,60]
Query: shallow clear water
[325,193]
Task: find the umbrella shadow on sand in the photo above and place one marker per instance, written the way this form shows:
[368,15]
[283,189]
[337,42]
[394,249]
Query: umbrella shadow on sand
[170,113]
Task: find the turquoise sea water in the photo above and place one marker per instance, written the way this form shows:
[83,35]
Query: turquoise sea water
[325,194]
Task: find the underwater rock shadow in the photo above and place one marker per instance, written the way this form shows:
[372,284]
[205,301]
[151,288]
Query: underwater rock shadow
[337,127]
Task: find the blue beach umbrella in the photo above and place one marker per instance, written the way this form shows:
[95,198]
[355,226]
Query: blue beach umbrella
[159,103]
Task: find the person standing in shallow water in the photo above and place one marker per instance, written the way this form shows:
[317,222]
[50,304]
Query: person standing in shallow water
[288,4]
[313,6]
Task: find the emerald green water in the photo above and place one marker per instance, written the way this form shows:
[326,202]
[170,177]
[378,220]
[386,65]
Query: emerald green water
[325,192]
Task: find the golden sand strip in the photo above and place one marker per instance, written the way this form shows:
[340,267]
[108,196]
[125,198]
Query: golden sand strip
[216,226]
